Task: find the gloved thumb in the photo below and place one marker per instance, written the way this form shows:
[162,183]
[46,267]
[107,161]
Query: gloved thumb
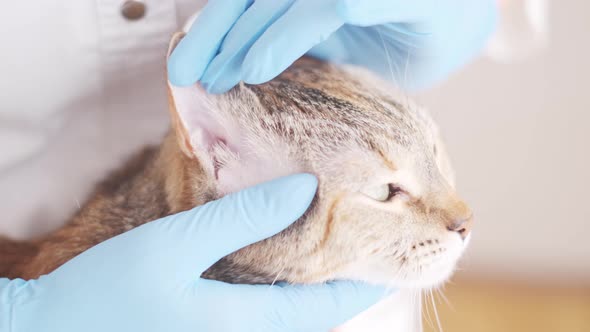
[323,307]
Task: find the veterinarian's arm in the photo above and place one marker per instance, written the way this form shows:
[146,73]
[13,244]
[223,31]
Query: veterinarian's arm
[148,278]
[416,43]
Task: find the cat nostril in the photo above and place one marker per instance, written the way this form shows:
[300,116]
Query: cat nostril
[460,226]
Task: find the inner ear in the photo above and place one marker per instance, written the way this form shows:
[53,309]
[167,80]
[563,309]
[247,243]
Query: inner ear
[223,135]
[201,130]
[199,127]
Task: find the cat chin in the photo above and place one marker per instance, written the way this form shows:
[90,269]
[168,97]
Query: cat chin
[430,278]
[438,272]
[426,280]
[433,273]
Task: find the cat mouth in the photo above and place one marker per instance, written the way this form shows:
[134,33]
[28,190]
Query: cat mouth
[429,263]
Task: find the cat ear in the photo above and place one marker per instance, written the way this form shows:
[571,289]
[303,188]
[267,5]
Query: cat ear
[201,132]
[176,38]
[229,152]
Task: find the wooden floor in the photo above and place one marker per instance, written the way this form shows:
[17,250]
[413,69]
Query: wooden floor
[487,307]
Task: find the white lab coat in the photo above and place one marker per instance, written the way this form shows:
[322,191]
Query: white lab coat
[81,87]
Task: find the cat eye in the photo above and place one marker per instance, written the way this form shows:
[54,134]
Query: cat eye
[382,193]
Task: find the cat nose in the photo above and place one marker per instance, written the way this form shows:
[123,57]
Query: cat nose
[462,226]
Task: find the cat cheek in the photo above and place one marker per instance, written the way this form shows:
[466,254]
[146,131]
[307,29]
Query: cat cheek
[239,174]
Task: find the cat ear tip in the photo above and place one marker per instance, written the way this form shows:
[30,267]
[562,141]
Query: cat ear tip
[174,41]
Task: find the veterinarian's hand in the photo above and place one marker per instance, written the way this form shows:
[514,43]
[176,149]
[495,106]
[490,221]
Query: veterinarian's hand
[148,278]
[414,42]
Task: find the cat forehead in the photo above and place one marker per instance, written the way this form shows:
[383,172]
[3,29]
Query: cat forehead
[319,103]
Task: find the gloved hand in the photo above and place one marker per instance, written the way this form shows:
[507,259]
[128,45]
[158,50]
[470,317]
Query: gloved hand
[415,43]
[148,278]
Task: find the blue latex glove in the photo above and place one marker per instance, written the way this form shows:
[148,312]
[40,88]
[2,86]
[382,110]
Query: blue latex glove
[415,43]
[147,279]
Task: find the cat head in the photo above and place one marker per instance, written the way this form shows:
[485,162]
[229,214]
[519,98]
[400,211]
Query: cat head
[386,210]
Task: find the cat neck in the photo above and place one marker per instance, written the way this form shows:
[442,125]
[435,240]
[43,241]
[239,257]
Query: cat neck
[155,183]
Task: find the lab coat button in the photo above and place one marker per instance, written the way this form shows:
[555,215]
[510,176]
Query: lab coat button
[133,9]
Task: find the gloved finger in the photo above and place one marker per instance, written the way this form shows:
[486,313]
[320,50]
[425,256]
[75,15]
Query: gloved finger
[192,55]
[317,307]
[186,245]
[229,307]
[366,13]
[322,307]
[304,25]
[224,72]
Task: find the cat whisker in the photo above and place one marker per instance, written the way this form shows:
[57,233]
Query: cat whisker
[405,80]
[435,311]
[387,56]
[276,278]
[427,316]
[442,295]
[417,304]
[387,290]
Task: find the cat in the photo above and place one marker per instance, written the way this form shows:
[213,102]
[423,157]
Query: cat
[386,210]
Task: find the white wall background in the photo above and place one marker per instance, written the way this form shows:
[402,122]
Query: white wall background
[519,136]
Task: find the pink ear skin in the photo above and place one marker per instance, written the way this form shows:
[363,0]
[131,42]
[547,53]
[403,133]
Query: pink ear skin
[235,155]
[198,130]
[199,125]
